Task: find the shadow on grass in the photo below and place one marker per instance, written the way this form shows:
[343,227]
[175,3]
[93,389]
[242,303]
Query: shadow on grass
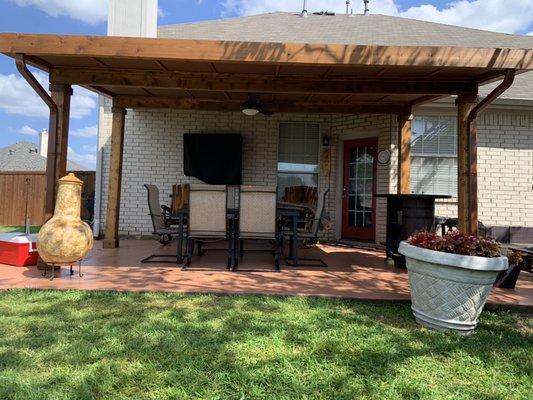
[99,344]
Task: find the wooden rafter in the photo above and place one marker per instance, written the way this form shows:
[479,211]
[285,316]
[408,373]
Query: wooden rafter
[278,107]
[255,83]
[100,62]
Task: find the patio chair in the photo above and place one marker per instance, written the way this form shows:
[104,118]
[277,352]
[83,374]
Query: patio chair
[310,237]
[258,219]
[207,219]
[160,225]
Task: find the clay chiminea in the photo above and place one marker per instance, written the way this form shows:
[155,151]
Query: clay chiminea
[65,239]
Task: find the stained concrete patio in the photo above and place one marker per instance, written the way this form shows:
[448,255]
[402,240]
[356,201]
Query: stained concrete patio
[353,272]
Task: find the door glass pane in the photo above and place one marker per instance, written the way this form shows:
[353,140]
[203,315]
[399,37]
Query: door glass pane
[351,218]
[361,177]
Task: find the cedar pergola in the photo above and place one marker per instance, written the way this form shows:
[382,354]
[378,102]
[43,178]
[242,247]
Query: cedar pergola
[290,77]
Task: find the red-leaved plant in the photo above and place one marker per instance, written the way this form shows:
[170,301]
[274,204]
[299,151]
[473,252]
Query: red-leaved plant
[456,242]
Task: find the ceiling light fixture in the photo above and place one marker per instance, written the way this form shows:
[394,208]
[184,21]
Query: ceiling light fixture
[250,108]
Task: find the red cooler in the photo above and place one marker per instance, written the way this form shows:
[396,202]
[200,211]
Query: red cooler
[18,249]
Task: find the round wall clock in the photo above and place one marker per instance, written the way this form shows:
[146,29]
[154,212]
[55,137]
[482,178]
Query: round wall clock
[384,156]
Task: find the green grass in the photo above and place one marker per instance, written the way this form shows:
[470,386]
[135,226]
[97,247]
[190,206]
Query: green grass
[19,228]
[101,345]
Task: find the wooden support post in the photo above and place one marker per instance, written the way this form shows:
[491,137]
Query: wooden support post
[56,160]
[466,166]
[404,153]
[115,178]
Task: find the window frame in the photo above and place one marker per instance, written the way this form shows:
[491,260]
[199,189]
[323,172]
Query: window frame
[436,156]
[319,149]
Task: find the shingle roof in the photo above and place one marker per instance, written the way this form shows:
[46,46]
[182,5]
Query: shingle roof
[374,29]
[24,156]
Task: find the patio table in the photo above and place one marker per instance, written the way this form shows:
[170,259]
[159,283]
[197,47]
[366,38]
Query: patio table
[286,211]
[295,206]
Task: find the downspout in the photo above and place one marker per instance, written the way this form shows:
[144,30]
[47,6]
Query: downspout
[20,60]
[498,90]
[472,145]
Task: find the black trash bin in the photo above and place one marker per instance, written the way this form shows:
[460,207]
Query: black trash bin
[406,214]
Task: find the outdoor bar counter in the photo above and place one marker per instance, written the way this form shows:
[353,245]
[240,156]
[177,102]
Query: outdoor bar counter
[406,214]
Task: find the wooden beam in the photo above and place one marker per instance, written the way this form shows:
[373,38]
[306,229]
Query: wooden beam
[255,83]
[404,153]
[277,107]
[464,106]
[161,65]
[115,178]
[257,52]
[100,62]
[100,90]
[472,148]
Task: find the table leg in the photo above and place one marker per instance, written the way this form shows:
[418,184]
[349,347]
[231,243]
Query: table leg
[179,252]
[294,243]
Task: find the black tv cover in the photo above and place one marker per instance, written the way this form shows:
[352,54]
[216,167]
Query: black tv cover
[215,159]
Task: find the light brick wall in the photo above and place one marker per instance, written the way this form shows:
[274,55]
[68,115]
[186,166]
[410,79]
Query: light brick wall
[505,170]
[153,149]
[153,154]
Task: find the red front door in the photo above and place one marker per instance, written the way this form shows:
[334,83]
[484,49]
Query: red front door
[359,189]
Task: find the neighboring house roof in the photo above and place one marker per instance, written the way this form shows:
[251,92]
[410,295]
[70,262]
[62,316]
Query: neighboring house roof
[374,29]
[24,156]
[522,88]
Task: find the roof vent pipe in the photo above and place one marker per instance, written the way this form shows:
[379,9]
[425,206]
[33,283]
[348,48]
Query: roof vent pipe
[348,7]
[366,6]
[304,10]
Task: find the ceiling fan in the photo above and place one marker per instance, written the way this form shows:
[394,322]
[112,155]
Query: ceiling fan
[254,106]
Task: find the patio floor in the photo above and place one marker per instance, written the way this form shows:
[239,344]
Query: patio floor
[353,272]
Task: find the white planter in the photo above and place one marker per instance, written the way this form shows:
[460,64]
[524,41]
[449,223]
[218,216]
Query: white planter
[448,291]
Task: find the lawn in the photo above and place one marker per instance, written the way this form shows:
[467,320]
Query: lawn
[101,345]
[10,229]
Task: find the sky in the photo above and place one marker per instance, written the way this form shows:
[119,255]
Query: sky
[23,114]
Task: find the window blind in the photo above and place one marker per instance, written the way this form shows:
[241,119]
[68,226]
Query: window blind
[434,155]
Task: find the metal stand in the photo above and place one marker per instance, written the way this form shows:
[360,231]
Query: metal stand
[54,274]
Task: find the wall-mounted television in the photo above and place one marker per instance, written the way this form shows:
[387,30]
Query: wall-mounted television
[214,158]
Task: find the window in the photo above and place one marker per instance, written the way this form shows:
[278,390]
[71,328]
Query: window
[434,155]
[297,155]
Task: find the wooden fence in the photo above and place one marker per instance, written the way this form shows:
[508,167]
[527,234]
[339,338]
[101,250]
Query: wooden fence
[13,196]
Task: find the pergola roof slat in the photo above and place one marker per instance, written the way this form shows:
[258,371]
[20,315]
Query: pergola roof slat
[256,52]
[294,77]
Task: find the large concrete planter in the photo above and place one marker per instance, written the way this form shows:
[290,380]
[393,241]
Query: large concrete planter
[448,291]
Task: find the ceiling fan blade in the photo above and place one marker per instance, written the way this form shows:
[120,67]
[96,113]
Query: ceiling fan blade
[266,112]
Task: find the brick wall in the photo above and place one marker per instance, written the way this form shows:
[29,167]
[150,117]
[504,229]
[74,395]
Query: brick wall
[505,170]
[153,150]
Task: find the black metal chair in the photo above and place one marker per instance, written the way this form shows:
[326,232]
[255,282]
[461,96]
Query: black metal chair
[309,237]
[160,225]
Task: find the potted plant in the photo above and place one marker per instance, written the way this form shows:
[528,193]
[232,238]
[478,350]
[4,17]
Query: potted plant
[451,277]
[507,279]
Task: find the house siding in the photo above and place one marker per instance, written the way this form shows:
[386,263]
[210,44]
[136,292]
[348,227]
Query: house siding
[153,147]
